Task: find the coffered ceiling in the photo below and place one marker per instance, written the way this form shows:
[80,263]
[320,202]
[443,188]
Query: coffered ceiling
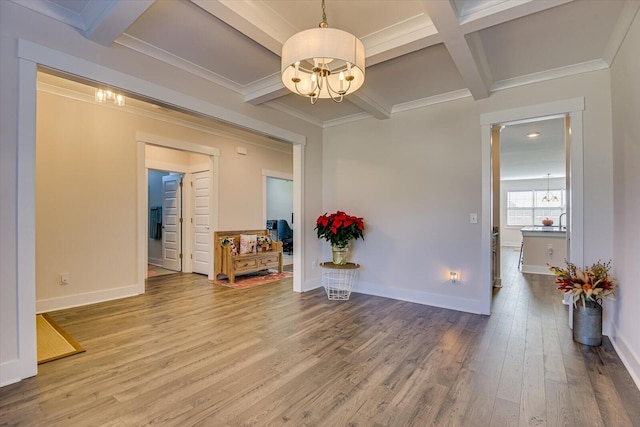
[418,52]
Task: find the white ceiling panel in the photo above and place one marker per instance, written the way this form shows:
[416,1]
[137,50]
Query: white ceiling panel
[522,157]
[431,72]
[573,33]
[361,18]
[205,41]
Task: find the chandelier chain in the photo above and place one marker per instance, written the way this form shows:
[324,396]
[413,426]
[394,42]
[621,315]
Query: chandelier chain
[324,23]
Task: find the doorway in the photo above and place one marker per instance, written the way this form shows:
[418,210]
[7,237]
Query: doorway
[572,109]
[164,247]
[179,178]
[530,194]
[279,211]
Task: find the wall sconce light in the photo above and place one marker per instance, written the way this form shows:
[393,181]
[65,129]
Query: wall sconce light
[103,96]
[453,276]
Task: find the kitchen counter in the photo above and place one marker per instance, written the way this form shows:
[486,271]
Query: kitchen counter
[541,246]
[543,231]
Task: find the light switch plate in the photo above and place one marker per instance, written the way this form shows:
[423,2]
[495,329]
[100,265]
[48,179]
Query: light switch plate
[473,218]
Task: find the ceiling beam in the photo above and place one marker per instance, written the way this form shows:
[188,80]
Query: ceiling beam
[253,19]
[467,55]
[106,25]
[503,12]
[370,105]
[265,90]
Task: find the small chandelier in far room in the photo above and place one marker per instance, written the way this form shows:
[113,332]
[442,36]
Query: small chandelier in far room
[547,198]
[323,62]
[104,95]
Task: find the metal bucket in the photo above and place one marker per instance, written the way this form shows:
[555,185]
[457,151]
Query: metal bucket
[587,323]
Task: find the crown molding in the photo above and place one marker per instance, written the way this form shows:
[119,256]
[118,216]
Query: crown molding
[294,113]
[399,35]
[569,70]
[432,100]
[161,55]
[627,15]
[266,89]
[346,119]
[81,97]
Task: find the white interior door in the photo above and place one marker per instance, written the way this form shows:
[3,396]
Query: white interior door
[171,222]
[201,236]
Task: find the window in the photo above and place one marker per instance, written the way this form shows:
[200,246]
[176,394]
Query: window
[527,208]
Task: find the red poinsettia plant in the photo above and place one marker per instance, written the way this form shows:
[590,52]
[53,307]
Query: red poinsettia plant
[591,283]
[339,228]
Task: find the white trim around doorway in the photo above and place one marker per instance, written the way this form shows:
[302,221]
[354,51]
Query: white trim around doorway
[142,166]
[574,109]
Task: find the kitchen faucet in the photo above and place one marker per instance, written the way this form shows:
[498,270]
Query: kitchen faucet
[560,220]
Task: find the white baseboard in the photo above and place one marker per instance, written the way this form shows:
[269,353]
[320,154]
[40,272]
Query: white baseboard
[510,244]
[536,269]
[16,370]
[312,284]
[155,261]
[59,303]
[629,358]
[420,297]
[409,295]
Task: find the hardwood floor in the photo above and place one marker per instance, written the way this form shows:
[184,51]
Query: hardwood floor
[191,353]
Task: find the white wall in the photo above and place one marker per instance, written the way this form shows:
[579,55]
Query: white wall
[416,178]
[86,194]
[118,67]
[625,91]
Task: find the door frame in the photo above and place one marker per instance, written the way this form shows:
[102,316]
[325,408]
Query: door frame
[570,107]
[266,173]
[143,139]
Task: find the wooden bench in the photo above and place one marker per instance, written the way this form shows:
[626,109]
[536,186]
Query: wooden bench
[224,262]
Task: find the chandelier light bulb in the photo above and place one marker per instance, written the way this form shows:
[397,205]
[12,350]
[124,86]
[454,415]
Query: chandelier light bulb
[100,96]
[104,95]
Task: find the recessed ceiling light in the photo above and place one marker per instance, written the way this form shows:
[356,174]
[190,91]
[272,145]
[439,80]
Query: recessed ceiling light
[533,134]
